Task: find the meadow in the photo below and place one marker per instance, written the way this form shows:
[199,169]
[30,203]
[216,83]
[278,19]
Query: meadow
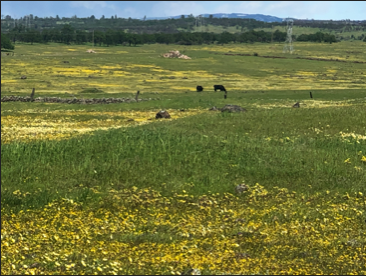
[109,189]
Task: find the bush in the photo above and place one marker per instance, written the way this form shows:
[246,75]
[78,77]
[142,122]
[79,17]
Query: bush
[6,43]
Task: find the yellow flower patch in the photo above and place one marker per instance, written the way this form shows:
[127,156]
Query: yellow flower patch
[23,127]
[139,231]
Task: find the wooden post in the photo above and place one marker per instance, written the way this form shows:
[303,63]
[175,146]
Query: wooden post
[137,95]
[32,95]
[311,95]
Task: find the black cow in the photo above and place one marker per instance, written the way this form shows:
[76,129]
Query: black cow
[219,87]
[199,88]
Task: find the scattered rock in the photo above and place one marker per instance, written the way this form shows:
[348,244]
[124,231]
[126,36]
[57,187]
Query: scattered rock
[241,188]
[162,114]
[23,77]
[352,243]
[214,108]
[296,105]
[34,265]
[232,108]
[240,256]
[130,120]
[91,51]
[192,271]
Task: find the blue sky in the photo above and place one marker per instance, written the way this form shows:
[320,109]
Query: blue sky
[336,10]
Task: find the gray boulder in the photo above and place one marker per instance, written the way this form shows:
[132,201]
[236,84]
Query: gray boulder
[162,114]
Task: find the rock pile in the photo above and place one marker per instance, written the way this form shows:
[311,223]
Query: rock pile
[71,101]
[175,54]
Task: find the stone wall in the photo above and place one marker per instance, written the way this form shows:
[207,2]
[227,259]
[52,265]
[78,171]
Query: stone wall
[73,100]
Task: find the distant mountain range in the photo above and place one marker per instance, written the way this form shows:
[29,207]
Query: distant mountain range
[259,17]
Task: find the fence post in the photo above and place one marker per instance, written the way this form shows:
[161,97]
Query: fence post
[32,95]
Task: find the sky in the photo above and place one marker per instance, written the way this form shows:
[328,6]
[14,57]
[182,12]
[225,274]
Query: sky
[335,10]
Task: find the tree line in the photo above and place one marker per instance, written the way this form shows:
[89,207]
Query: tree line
[186,23]
[68,35]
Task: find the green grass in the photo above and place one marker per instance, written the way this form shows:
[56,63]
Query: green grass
[212,152]
[161,194]
[118,70]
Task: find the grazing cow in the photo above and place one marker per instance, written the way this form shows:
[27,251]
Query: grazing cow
[199,88]
[219,87]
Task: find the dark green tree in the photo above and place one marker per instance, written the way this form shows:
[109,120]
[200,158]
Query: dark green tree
[81,37]
[225,38]
[67,33]
[99,37]
[6,43]
[46,36]
[31,36]
[110,37]
[55,35]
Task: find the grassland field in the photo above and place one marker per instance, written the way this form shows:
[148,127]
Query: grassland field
[87,190]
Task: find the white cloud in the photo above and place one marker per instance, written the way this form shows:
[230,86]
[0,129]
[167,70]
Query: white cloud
[129,12]
[173,8]
[241,7]
[91,5]
[96,8]
[298,9]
